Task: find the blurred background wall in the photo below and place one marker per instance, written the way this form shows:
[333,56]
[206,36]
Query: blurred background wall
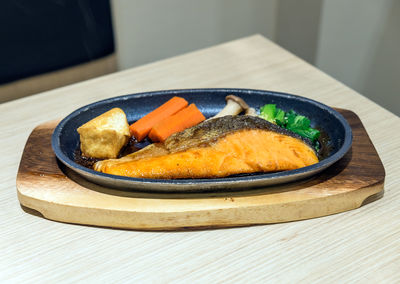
[356,41]
[50,43]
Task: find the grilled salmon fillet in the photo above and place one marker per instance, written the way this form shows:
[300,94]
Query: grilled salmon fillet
[218,147]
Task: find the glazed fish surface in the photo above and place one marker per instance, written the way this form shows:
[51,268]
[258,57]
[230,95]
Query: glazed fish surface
[215,148]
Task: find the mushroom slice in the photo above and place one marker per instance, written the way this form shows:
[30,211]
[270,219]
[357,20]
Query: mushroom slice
[234,105]
[251,111]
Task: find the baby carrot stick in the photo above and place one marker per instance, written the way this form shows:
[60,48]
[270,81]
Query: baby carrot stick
[142,127]
[183,119]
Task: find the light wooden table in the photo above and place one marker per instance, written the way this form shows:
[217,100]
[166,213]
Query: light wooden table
[358,245]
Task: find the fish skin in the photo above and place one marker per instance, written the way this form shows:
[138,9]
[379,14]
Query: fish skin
[213,129]
[216,148]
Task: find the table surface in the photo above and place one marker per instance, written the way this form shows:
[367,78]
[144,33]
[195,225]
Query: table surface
[358,245]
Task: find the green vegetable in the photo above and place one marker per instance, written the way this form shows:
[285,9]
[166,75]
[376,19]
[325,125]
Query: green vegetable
[291,121]
[280,117]
[268,112]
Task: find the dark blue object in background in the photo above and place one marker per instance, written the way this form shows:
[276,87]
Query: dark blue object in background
[47,35]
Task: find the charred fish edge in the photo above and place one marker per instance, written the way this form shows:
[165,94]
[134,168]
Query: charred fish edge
[215,128]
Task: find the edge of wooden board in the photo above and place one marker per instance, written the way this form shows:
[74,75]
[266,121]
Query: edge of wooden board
[146,211]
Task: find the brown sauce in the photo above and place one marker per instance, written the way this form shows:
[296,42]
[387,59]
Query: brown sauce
[132,146]
[325,145]
[84,161]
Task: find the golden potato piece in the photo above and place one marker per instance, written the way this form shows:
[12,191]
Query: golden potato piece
[104,136]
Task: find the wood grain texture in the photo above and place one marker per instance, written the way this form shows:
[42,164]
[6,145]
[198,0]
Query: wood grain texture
[59,194]
[360,245]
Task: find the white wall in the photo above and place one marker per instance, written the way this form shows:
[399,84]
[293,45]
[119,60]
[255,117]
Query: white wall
[149,30]
[359,44]
[357,41]
[297,27]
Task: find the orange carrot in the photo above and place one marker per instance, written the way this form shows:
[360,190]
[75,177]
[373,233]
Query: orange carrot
[142,127]
[183,119]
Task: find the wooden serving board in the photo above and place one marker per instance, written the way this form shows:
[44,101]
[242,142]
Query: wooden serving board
[59,194]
